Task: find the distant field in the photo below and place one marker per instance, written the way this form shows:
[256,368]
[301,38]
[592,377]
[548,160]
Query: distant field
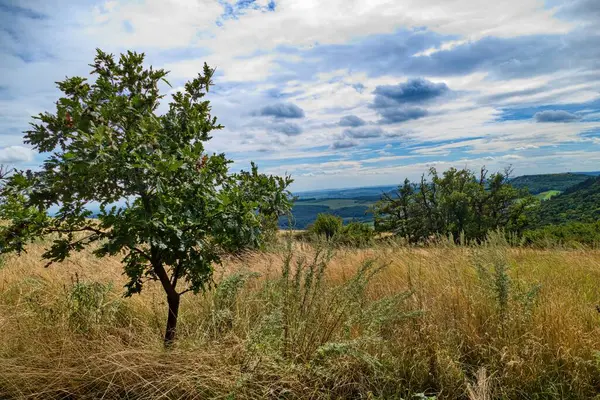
[335,204]
[547,194]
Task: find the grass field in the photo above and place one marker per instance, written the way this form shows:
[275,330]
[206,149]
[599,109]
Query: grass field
[388,322]
[335,204]
[547,195]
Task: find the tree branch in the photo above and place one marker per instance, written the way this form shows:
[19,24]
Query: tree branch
[185,291]
[142,253]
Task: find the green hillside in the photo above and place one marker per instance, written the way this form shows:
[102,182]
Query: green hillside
[578,203]
[305,212]
[548,182]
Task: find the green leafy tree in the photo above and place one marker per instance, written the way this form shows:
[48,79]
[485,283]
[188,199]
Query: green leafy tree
[458,202]
[355,234]
[105,144]
[326,225]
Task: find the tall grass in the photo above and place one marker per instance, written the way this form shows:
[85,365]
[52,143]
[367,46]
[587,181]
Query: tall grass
[303,321]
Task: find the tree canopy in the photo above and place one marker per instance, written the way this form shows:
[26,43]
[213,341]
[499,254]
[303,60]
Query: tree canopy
[458,202]
[105,144]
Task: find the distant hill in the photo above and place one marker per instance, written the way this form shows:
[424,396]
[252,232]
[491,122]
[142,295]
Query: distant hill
[348,209]
[364,193]
[577,203]
[549,182]
[590,173]
[352,204]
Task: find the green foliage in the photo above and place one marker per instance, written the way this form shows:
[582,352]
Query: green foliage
[225,299]
[89,304]
[458,203]
[537,184]
[580,203]
[513,299]
[355,234]
[312,321]
[326,225]
[105,144]
[573,234]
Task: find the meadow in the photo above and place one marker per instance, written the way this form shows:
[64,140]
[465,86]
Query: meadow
[547,195]
[307,321]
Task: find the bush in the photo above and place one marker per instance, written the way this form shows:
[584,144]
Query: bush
[326,225]
[574,234]
[355,234]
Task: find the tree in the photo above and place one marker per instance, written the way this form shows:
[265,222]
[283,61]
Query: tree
[326,224]
[106,144]
[457,202]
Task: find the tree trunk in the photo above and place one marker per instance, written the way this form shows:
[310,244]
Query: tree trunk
[171,330]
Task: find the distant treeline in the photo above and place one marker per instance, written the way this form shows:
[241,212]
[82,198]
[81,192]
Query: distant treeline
[459,201]
[542,183]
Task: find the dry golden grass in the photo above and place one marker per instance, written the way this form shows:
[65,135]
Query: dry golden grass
[481,334]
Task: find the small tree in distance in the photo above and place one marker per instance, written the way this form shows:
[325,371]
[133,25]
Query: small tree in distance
[105,144]
[326,225]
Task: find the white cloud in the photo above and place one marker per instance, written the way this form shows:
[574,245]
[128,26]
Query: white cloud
[180,35]
[15,155]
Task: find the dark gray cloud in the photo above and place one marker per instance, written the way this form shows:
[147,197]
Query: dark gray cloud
[392,115]
[363,132]
[515,57]
[351,120]
[416,90]
[343,144]
[281,110]
[396,103]
[287,128]
[376,54]
[555,116]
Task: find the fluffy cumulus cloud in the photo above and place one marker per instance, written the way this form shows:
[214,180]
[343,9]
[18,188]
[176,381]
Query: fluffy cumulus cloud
[400,103]
[351,120]
[382,91]
[15,154]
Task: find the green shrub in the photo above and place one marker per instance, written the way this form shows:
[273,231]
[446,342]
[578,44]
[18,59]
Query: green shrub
[326,225]
[90,304]
[225,299]
[574,234]
[355,234]
[311,321]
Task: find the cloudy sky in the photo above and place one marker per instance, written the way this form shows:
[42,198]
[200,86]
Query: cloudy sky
[338,93]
